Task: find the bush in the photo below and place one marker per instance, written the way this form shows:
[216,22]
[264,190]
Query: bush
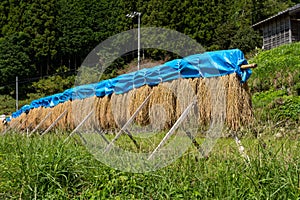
[53,84]
[7,104]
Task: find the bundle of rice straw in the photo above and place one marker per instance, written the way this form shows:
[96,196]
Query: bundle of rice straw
[162,106]
[138,97]
[239,109]
[104,113]
[119,106]
[220,98]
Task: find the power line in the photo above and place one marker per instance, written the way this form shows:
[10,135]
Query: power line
[33,79]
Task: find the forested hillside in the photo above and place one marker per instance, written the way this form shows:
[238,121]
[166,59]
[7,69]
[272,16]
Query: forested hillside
[43,37]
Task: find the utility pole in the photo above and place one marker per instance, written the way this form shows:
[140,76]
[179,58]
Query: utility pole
[17,93]
[132,15]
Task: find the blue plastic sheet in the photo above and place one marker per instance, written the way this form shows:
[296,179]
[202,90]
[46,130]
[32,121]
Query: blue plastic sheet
[206,65]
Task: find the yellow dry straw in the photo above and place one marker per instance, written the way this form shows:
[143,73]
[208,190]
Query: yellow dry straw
[22,121]
[97,105]
[103,110]
[239,111]
[222,97]
[229,97]
[63,123]
[103,113]
[79,110]
[77,114]
[247,112]
[218,100]
[138,96]
[68,121]
[162,105]
[69,116]
[204,101]
[48,120]
[109,115]
[184,90]
[56,112]
[43,112]
[120,107]
[33,117]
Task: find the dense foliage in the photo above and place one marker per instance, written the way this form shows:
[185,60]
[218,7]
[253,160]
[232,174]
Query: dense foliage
[37,37]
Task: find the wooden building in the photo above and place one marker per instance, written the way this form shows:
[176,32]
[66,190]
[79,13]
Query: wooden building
[282,28]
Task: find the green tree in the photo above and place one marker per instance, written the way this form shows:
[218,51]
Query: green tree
[15,59]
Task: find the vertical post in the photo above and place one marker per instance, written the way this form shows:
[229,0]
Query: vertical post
[132,15]
[139,39]
[290,30]
[17,93]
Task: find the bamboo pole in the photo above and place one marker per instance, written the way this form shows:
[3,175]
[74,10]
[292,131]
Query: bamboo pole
[195,143]
[254,65]
[102,135]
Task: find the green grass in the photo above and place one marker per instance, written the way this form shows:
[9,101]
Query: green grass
[278,69]
[276,105]
[45,168]
[275,84]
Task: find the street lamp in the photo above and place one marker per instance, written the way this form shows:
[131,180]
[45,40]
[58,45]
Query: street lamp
[132,15]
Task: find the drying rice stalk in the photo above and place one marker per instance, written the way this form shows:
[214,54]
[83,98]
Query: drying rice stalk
[239,111]
[104,113]
[220,98]
[162,106]
[138,97]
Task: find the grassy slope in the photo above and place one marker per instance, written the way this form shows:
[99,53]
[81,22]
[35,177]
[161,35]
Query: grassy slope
[275,84]
[278,68]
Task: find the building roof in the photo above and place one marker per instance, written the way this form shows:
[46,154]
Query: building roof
[289,10]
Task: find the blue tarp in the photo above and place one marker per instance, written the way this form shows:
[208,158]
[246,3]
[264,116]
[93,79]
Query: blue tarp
[206,65]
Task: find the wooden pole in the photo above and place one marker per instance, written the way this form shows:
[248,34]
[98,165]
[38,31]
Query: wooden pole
[54,123]
[174,127]
[123,129]
[254,65]
[79,125]
[10,127]
[38,126]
